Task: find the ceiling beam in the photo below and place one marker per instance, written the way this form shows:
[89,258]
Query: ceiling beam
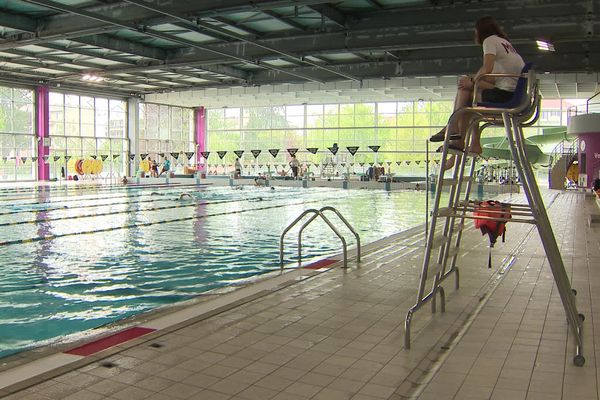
[194,75]
[18,22]
[235,25]
[285,20]
[202,27]
[148,65]
[65,24]
[79,49]
[58,64]
[332,14]
[123,46]
[375,4]
[158,34]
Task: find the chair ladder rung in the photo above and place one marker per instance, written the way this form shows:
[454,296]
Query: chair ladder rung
[461,152]
[434,268]
[449,212]
[449,182]
[439,241]
[453,251]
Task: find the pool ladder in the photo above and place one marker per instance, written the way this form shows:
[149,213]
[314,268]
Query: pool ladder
[319,213]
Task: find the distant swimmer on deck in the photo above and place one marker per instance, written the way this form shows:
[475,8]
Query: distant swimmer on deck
[165,167]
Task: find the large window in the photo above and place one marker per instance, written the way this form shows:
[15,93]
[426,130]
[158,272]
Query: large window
[17,144]
[401,129]
[166,129]
[84,126]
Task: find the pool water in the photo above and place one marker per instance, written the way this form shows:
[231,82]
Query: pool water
[116,252]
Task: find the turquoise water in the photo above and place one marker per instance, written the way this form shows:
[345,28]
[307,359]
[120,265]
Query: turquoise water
[163,249]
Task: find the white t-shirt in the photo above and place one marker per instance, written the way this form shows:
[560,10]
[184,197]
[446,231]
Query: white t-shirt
[508,61]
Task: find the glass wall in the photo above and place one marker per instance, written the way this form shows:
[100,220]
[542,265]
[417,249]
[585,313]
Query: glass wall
[401,129]
[84,126]
[166,129]
[17,134]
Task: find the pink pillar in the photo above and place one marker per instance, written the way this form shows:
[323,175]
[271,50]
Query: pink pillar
[200,138]
[42,95]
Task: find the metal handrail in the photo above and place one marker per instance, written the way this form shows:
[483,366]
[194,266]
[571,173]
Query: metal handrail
[587,103]
[319,213]
[350,228]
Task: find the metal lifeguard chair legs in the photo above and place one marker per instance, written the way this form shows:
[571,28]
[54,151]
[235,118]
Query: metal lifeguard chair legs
[538,210]
[455,214]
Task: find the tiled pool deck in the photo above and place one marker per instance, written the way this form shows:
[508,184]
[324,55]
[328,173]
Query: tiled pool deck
[340,335]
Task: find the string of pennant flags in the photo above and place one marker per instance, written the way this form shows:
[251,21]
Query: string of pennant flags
[221,155]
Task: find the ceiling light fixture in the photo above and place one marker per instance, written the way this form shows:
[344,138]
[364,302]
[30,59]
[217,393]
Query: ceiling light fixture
[92,78]
[544,45]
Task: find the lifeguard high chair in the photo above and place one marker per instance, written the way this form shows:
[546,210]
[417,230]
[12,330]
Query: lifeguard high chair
[443,245]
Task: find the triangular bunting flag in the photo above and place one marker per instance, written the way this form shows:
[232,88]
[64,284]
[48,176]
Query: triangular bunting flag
[117,156]
[94,157]
[238,153]
[255,153]
[352,164]
[174,155]
[343,164]
[388,163]
[274,152]
[352,149]
[67,158]
[4,159]
[131,157]
[161,155]
[205,154]
[418,162]
[292,151]
[333,150]
[189,154]
[46,158]
[221,154]
[375,148]
[260,165]
[23,160]
[103,157]
[312,150]
[143,156]
[371,164]
[398,162]
[362,164]
[407,162]
[34,159]
[56,158]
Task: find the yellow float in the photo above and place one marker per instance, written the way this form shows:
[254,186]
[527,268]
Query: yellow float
[86,166]
[71,165]
[96,167]
[145,166]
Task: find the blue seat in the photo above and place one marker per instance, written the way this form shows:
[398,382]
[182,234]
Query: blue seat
[518,94]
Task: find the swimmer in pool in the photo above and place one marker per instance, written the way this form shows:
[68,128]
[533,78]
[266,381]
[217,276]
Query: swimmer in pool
[185,196]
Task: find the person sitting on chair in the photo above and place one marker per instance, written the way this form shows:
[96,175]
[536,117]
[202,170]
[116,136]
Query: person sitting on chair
[499,56]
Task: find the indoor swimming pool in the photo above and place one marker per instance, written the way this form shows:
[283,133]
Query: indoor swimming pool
[77,258]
